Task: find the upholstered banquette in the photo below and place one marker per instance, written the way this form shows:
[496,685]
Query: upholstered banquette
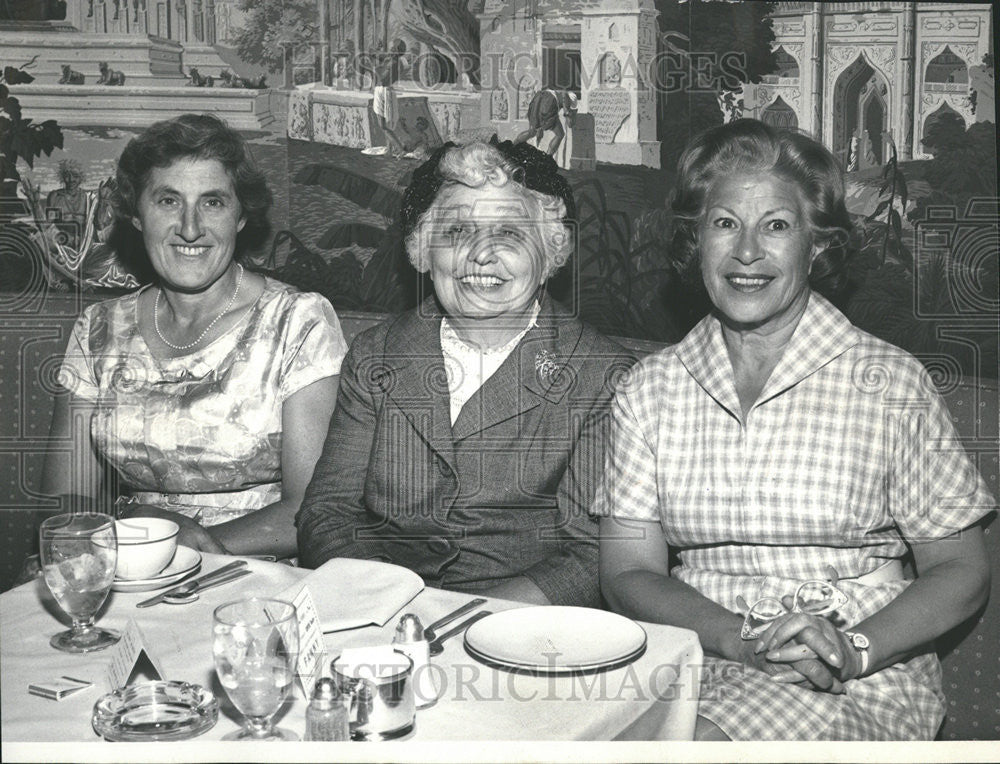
[33,332]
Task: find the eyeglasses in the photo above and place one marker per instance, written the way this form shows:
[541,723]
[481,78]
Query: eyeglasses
[813,597]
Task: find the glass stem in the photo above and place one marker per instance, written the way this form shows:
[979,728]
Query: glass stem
[259,726]
[83,625]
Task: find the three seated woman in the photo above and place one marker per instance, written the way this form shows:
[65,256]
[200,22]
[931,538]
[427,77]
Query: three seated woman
[789,459]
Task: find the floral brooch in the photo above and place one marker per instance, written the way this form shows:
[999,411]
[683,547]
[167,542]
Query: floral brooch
[546,367]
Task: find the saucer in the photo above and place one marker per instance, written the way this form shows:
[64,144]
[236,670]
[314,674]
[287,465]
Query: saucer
[186,561]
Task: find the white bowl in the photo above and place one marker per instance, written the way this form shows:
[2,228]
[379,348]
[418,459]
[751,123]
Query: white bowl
[146,545]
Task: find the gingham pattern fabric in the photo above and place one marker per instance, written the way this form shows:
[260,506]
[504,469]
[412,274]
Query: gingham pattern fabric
[848,453]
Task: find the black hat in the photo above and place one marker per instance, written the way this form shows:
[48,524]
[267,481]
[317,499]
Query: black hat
[535,170]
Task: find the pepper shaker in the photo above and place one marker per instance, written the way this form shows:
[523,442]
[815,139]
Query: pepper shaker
[327,715]
[410,641]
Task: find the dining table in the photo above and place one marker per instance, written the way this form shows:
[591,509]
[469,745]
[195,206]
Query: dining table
[652,698]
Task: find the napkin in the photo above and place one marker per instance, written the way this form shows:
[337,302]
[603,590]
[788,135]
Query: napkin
[349,593]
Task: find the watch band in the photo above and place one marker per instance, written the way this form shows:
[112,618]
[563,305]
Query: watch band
[860,643]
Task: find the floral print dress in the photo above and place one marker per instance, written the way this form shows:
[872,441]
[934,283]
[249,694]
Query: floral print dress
[201,433]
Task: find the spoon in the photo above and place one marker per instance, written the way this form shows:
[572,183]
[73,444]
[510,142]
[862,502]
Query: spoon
[181,597]
[437,646]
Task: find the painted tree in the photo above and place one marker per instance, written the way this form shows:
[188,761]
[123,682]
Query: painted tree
[446,27]
[20,138]
[709,48]
[273,28]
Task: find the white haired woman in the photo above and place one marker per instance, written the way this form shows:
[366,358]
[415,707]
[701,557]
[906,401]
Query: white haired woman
[468,432]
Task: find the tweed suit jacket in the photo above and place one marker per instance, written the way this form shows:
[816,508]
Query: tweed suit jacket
[505,492]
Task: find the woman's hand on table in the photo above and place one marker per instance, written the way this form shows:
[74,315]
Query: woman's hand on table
[191,534]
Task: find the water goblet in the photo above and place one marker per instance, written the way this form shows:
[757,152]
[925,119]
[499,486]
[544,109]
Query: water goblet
[79,553]
[255,644]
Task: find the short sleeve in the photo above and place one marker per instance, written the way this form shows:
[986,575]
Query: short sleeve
[934,490]
[314,345]
[76,373]
[627,488]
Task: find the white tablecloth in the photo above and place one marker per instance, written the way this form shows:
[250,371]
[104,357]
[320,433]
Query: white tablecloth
[653,698]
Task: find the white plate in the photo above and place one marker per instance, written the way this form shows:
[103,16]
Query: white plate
[186,561]
[555,639]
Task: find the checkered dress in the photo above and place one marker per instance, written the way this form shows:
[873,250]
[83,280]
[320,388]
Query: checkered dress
[848,453]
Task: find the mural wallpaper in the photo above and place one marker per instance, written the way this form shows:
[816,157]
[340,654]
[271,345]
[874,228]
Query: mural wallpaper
[342,99]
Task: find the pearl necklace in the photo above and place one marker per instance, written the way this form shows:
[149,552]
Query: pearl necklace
[168,343]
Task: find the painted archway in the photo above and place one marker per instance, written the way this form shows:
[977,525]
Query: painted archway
[780,114]
[787,65]
[861,116]
[951,127]
[946,67]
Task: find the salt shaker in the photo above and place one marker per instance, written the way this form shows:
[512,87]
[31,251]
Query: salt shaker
[410,641]
[327,716]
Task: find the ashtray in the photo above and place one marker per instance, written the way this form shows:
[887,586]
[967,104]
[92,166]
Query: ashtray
[152,711]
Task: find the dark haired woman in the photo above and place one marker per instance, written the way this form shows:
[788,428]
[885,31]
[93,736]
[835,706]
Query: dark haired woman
[790,460]
[469,432]
[209,390]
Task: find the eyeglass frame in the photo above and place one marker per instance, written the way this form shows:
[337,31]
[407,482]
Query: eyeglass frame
[840,598]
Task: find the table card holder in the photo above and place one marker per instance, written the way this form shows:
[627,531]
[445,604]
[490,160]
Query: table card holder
[309,665]
[132,659]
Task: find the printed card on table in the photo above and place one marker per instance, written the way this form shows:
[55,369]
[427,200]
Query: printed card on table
[310,641]
[131,659]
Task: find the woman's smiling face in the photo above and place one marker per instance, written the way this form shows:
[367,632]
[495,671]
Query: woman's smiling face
[485,250]
[189,216]
[756,249]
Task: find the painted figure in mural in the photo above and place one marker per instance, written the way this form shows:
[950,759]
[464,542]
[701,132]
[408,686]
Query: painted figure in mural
[770,451]
[70,76]
[69,206]
[469,431]
[198,80]
[110,76]
[210,389]
[852,159]
[544,114]
[867,149]
[230,80]
[385,107]
[74,232]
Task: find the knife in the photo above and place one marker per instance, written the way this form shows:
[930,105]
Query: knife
[195,584]
[430,632]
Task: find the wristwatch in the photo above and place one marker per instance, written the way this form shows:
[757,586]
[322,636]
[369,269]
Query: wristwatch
[861,643]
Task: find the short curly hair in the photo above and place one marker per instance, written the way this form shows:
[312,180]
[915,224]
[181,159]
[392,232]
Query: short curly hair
[193,136]
[750,146]
[546,192]
[70,170]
